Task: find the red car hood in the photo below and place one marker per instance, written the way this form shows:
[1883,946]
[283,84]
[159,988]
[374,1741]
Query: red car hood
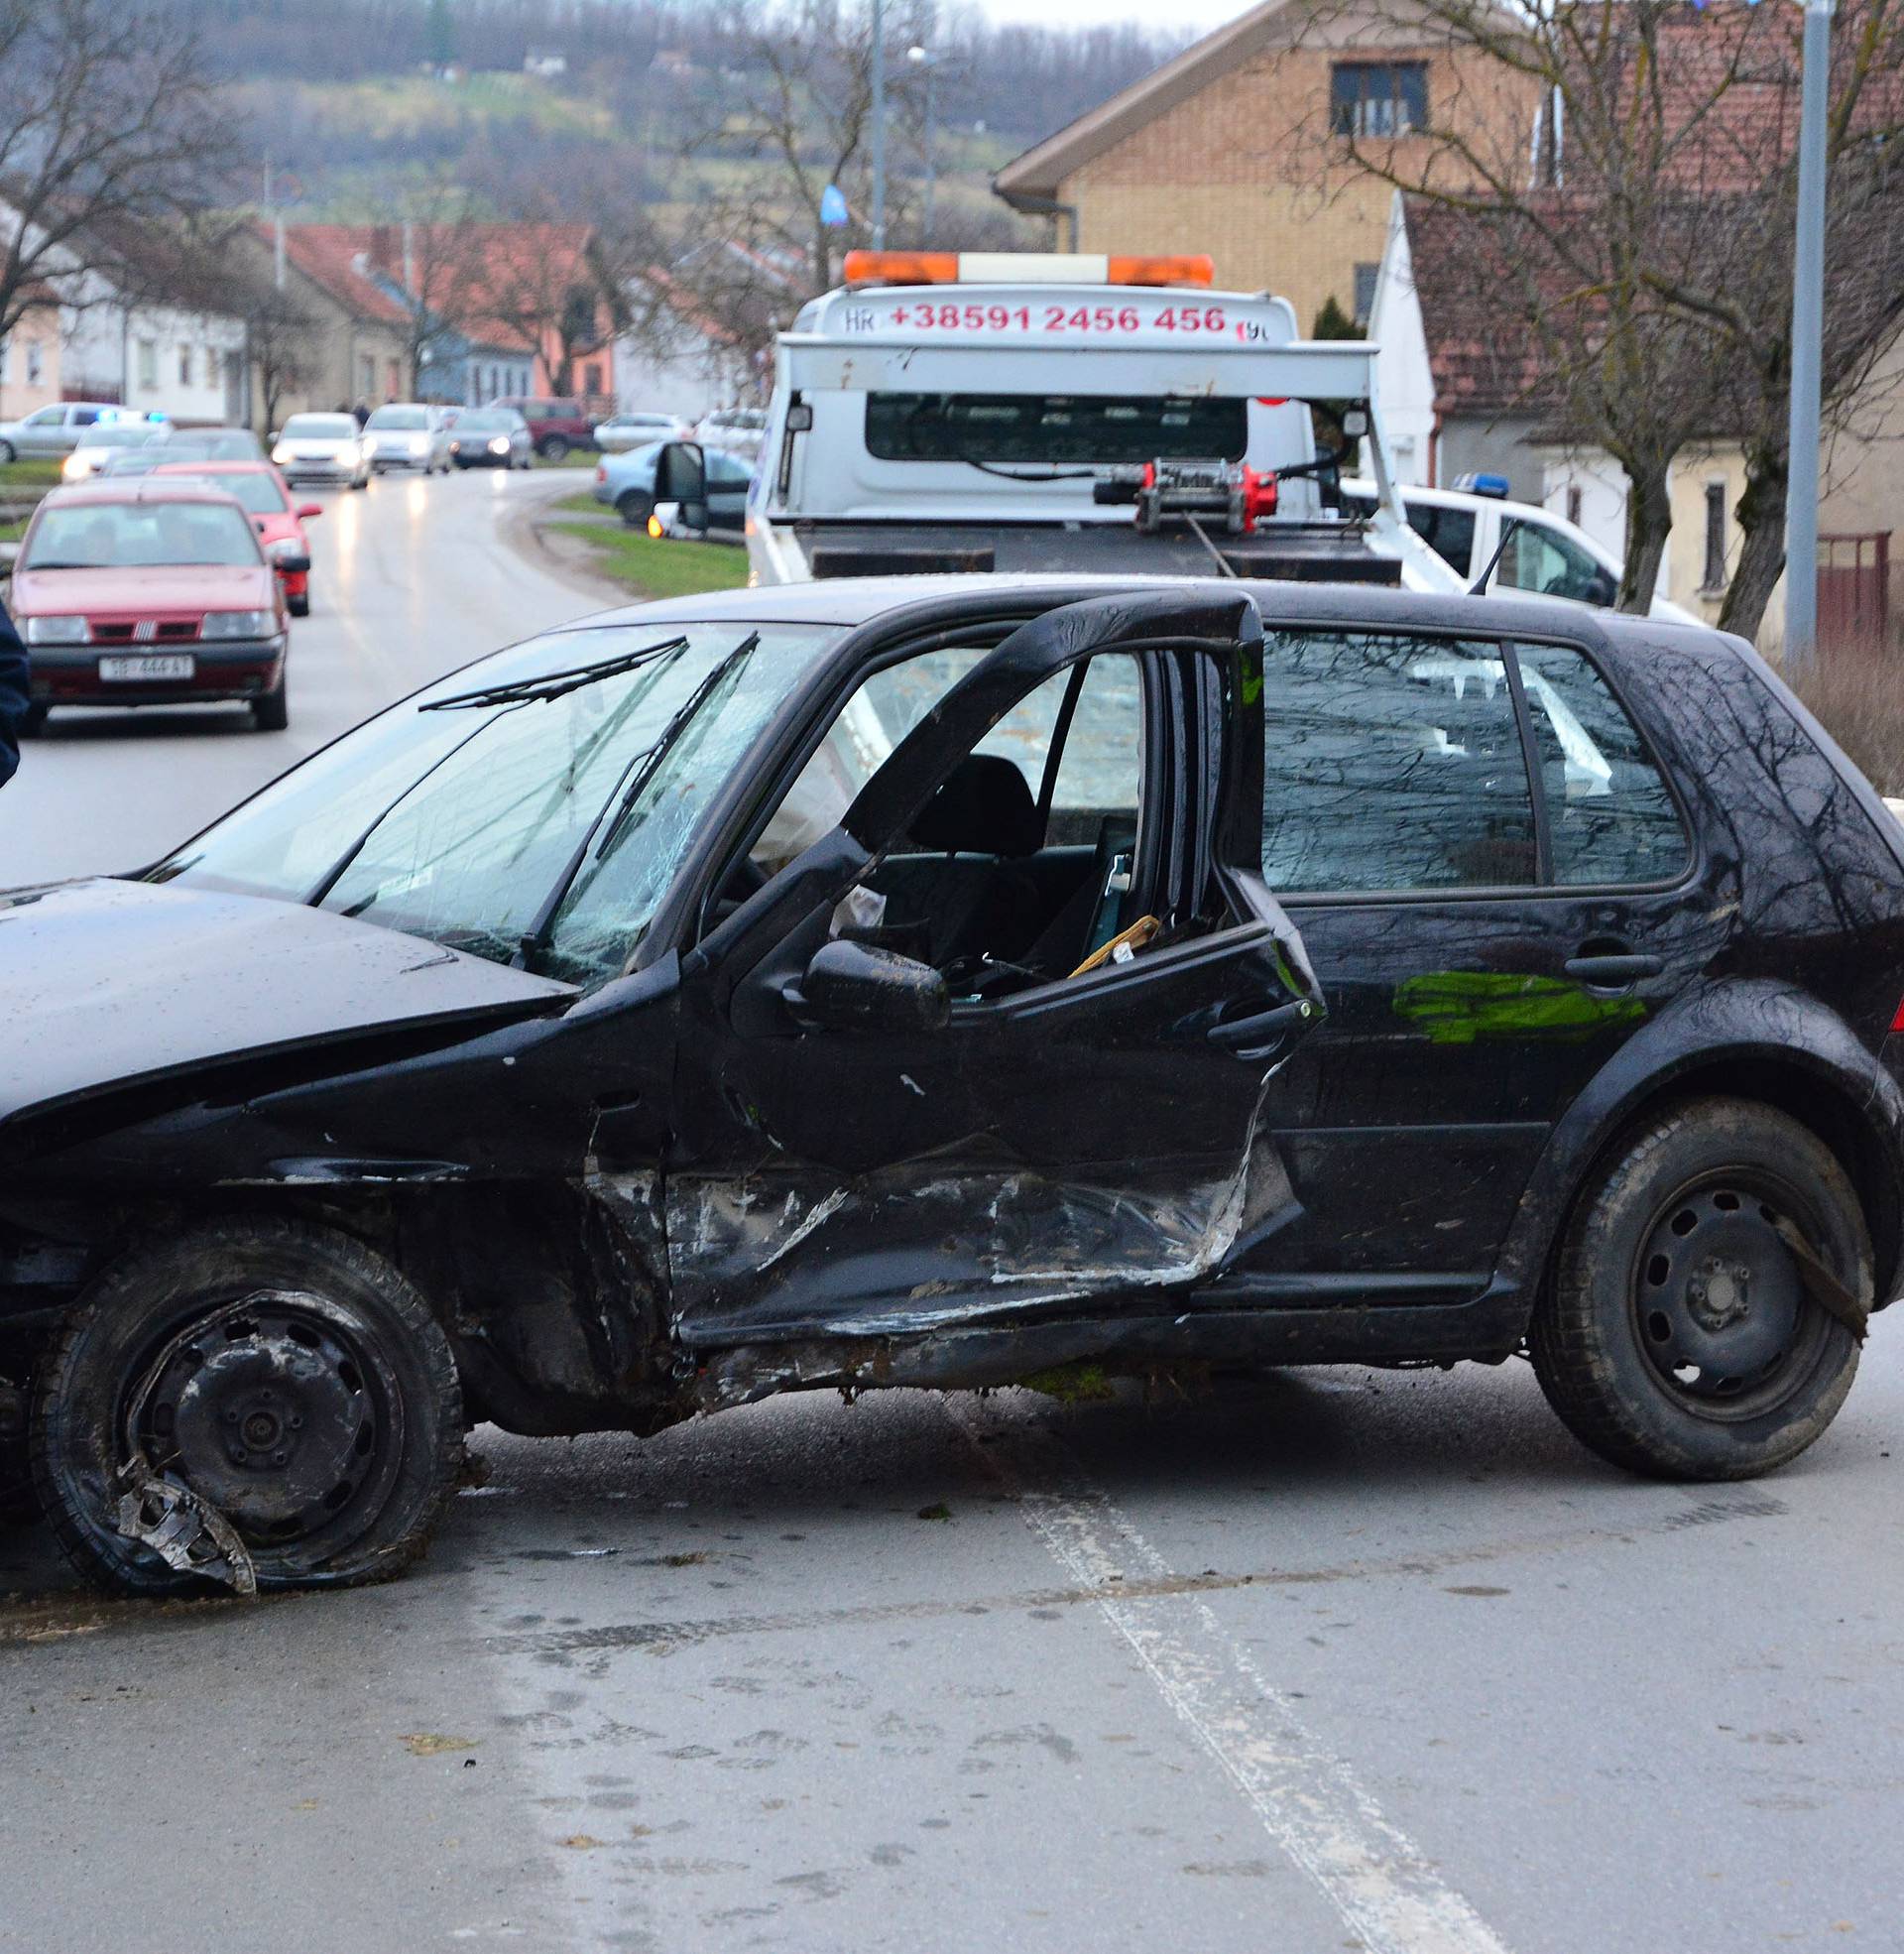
[189,587]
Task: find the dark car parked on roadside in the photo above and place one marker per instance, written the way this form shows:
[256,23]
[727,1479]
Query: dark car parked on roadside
[557,425]
[942,982]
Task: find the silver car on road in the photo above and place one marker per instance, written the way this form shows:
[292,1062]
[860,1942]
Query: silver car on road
[322,447]
[408,435]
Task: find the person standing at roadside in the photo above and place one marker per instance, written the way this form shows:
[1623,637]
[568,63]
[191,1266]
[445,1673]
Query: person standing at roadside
[15,700]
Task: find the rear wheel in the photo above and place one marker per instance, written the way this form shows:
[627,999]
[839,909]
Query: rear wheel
[7,456]
[298,606]
[1682,1335]
[257,1398]
[555,448]
[635,506]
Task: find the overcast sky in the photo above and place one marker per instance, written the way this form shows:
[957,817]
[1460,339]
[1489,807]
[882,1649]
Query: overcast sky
[1198,14]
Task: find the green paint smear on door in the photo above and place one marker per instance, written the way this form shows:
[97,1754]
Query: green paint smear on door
[1461,1007]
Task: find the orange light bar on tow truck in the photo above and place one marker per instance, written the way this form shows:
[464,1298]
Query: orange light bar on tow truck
[864,268]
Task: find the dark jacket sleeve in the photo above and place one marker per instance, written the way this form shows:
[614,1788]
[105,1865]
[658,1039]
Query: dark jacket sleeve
[14,697]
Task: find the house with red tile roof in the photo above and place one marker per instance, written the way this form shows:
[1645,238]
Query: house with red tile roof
[351,337]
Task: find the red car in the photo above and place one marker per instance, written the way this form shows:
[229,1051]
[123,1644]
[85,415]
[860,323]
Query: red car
[151,592]
[266,497]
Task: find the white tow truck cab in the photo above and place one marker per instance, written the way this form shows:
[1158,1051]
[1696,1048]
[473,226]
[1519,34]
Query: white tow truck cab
[993,410]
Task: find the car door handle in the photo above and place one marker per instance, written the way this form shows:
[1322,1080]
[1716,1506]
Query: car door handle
[1613,971]
[1258,1035]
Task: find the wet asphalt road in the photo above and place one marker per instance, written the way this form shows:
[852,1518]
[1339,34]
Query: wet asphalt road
[1344,1660]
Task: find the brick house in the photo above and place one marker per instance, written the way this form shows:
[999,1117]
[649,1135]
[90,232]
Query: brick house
[1237,148]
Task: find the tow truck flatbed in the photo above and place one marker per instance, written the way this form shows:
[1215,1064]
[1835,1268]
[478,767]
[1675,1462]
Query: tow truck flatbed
[1294,553]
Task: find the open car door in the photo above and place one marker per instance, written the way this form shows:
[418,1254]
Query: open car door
[872,1145]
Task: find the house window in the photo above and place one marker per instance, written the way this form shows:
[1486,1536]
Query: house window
[1365,292]
[1379,98]
[185,366]
[366,376]
[1572,503]
[148,362]
[592,373]
[1714,577]
[36,362]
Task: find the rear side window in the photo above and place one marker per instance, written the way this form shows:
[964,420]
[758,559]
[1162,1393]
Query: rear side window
[1611,817]
[1391,763]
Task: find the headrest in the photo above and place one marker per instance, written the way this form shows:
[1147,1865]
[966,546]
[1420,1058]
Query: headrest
[982,808]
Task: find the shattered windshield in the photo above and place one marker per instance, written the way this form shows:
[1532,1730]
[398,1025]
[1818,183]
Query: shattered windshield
[538,813]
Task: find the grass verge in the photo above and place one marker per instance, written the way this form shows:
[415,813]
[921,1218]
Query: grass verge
[660,569]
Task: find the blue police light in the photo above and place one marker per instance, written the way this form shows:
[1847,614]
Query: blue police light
[1497,486]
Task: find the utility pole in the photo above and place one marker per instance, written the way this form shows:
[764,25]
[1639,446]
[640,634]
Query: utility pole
[1808,328]
[878,125]
[924,58]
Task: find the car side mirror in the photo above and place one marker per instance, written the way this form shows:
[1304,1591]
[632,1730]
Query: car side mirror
[853,987]
[680,475]
[292,565]
[307,510]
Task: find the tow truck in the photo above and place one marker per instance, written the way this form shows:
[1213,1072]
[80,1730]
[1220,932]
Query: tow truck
[1021,412]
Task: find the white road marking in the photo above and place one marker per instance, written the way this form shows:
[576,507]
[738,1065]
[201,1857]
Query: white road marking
[1307,1798]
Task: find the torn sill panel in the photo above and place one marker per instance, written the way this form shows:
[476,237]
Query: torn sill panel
[791,1252]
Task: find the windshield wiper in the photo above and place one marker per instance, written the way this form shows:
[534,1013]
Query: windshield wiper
[608,823]
[554,685]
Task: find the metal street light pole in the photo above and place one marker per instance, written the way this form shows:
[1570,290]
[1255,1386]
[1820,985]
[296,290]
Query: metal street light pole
[927,59]
[878,125]
[1808,328]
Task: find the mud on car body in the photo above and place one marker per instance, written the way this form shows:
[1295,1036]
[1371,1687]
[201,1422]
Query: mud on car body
[940,983]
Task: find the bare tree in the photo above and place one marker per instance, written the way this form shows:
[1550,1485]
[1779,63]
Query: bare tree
[110,119]
[1627,173]
[281,343]
[801,104]
[435,265]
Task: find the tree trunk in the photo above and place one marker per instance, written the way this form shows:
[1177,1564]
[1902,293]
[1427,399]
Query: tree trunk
[1761,560]
[1649,522]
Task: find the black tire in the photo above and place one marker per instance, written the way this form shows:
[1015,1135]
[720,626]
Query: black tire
[297,606]
[1678,1337]
[554,447]
[35,723]
[271,713]
[7,456]
[635,507]
[309,1332]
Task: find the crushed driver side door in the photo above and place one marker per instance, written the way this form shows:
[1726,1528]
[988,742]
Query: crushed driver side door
[1094,1144]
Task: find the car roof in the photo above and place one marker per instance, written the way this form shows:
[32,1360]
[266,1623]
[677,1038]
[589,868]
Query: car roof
[248,464]
[854,601]
[181,487]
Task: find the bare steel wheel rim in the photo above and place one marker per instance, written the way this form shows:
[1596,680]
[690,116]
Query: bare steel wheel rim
[1720,1304]
[279,1411]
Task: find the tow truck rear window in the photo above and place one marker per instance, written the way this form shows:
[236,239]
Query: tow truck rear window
[1052,428]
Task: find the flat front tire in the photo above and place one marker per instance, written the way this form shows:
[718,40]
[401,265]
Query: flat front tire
[288,1378]
[1681,1336]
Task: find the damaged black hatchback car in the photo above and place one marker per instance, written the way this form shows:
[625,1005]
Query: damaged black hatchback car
[942,983]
